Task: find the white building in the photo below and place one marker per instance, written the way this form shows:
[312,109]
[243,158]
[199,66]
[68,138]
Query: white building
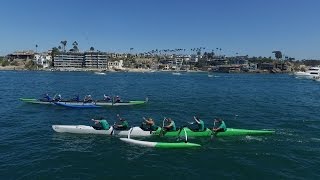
[115,64]
[43,59]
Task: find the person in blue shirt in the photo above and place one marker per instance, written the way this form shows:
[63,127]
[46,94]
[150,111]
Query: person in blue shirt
[47,97]
[219,126]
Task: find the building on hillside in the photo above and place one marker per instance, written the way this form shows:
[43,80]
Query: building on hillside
[194,58]
[265,66]
[96,60]
[81,60]
[229,68]
[238,60]
[43,59]
[217,61]
[69,60]
[115,64]
[23,55]
[117,55]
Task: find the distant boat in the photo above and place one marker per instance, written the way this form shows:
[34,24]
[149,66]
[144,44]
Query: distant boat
[100,73]
[176,73]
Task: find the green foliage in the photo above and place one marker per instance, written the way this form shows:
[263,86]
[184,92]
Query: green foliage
[64,44]
[14,63]
[5,63]
[311,62]
[55,51]
[31,65]
[260,59]
[277,54]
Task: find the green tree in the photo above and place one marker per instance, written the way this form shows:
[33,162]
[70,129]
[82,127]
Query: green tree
[75,46]
[277,54]
[55,51]
[64,44]
[30,65]
[5,63]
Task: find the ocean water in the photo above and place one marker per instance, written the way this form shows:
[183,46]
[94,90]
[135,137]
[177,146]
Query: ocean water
[30,149]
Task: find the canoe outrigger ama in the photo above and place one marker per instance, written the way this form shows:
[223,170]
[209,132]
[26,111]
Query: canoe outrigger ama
[161,145]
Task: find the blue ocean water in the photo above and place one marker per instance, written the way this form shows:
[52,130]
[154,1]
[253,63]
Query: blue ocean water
[30,149]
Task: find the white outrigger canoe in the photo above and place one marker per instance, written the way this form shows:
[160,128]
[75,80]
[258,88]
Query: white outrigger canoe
[82,129]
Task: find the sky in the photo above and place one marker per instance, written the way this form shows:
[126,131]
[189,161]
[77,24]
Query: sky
[243,27]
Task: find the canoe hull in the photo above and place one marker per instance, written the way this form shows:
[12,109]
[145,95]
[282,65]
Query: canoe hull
[189,132]
[243,132]
[208,132]
[82,129]
[77,104]
[35,101]
[129,103]
[138,132]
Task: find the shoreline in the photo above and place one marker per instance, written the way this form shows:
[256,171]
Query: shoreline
[132,70]
[140,70]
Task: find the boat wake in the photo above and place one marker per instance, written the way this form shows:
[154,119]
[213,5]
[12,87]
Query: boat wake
[137,154]
[253,138]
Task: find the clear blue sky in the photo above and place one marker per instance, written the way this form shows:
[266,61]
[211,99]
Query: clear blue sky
[253,27]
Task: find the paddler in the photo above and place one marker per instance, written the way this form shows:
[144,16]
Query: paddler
[76,98]
[151,126]
[219,125]
[199,122]
[122,124]
[103,124]
[171,126]
[47,97]
[106,98]
[117,99]
[58,98]
[87,98]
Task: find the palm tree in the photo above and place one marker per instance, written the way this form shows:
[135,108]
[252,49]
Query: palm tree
[277,54]
[91,48]
[64,44]
[59,47]
[36,48]
[75,46]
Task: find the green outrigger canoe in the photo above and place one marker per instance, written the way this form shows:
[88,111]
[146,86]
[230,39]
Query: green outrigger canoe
[207,132]
[76,103]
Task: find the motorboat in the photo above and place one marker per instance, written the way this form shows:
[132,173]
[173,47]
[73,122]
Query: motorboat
[311,73]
